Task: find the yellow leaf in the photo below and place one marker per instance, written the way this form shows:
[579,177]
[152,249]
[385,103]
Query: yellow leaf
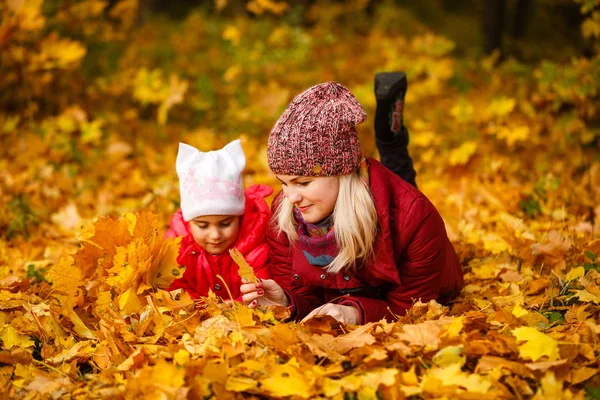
[131,220]
[68,217]
[333,387]
[244,314]
[232,73]
[246,272]
[518,311]
[65,276]
[287,380]
[10,123]
[587,297]
[129,303]
[486,271]
[232,34]
[149,86]
[181,357]
[575,273]
[590,28]
[425,139]
[494,243]
[91,132]
[175,92]
[29,13]
[164,269]
[80,350]
[501,107]
[57,52]
[455,327]
[167,375]
[410,377]
[122,272]
[374,378]
[240,383]
[78,326]
[462,154]
[551,388]
[11,338]
[537,344]
[449,355]
[453,376]
[514,134]
[260,6]
[463,111]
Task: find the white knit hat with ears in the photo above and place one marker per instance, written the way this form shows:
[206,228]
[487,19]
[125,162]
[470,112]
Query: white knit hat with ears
[211,183]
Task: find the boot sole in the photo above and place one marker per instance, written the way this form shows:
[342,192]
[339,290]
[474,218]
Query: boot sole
[387,84]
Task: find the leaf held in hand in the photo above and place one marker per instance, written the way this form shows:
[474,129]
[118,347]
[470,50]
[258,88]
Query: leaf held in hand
[246,272]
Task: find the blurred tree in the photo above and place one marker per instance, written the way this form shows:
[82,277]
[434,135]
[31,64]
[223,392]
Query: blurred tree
[514,18]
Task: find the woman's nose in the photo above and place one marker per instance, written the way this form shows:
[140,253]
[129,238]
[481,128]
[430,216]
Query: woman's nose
[294,198]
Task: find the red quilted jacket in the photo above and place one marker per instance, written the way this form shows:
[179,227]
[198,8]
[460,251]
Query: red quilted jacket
[414,258]
[202,268]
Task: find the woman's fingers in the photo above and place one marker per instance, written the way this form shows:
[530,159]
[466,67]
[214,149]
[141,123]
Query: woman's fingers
[248,288]
[250,297]
[334,310]
[317,311]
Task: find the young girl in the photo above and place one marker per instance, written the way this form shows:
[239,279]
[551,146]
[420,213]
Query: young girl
[352,239]
[217,214]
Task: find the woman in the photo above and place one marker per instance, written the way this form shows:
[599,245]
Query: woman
[351,239]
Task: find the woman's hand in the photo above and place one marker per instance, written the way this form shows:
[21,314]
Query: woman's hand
[345,314]
[265,293]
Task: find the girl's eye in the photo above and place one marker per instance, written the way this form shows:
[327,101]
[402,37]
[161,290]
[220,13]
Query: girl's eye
[225,225]
[202,226]
[303,183]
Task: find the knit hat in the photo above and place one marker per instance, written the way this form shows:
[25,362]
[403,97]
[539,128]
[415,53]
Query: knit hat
[211,183]
[316,135]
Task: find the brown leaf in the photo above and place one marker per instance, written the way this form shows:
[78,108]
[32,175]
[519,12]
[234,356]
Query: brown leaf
[553,251]
[543,366]
[582,374]
[426,334]
[488,363]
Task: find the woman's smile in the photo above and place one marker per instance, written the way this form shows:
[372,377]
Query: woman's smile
[303,209]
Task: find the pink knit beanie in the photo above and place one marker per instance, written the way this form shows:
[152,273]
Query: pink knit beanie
[316,135]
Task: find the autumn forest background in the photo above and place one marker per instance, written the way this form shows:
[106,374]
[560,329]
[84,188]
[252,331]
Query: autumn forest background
[503,109]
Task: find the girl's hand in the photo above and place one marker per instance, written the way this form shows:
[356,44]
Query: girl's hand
[345,314]
[265,293]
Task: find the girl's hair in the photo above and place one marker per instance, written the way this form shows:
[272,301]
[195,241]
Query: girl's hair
[354,221]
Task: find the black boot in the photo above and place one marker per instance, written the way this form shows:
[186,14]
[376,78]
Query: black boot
[390,89]
[391,136]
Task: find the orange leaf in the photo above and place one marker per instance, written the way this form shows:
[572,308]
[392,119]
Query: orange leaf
[246,272]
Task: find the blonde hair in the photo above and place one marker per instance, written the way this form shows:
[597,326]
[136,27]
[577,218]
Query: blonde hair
[354,219]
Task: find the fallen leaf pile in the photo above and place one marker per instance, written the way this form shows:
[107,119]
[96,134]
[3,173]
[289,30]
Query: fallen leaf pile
[95,96]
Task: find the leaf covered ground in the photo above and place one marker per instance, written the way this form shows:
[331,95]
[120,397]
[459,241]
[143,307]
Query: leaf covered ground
[95,100]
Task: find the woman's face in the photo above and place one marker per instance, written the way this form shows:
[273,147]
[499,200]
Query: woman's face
[314,197]
[215,233]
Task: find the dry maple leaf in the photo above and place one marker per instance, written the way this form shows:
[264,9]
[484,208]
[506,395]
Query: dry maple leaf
[246,272]
[554,250]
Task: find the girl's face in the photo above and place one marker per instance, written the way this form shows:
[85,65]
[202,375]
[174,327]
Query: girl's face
[215,233]
[314,197]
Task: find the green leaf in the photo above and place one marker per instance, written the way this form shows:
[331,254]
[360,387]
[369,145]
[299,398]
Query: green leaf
[554,317]
[592,393]
[531,207]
